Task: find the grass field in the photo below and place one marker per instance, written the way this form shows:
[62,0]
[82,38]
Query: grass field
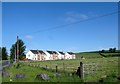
[105,67]
[88,55]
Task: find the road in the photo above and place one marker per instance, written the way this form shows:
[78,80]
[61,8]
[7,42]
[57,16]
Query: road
[5,63]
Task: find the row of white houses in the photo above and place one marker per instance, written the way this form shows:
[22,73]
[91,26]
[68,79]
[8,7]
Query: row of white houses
[49,55]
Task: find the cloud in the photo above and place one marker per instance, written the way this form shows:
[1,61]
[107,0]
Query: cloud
[70,19]
[28,36]
[73,16]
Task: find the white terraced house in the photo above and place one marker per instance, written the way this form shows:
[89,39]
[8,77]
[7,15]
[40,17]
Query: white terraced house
[53,55]
[69,55]
[48,55]
[36,55]
[61,55]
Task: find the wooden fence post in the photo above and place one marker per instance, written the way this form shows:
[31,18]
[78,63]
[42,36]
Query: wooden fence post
[81,70]
[46,66]
[56,68]
[63,67]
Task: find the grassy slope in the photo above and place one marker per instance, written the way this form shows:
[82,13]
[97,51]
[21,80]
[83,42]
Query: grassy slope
[31,73]
[95,54]
[106,66]
[88,55]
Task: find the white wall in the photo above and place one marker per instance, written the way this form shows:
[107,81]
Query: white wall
[47,57]
[60,56]
[68,56]
[74,57]
[31,56]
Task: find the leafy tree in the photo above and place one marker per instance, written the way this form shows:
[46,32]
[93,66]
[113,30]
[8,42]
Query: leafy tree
[0,53]
[114,50]
[12,52]
[110,49]
[4,53]
[13,49]
[102,51]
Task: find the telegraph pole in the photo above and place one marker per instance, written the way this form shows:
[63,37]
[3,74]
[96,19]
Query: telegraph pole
[17,49]
[15,53]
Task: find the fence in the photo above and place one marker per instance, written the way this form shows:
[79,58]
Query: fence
[90,68]
[83,69]
[56,67]
[97,70]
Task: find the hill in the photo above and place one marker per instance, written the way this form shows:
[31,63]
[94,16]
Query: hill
[97,54]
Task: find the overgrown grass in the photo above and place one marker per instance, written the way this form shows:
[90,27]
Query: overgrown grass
[30,75]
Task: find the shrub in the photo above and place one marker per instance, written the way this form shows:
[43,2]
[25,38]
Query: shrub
[17,65]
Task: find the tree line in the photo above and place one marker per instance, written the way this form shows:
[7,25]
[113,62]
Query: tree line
[13,51]
[111,50]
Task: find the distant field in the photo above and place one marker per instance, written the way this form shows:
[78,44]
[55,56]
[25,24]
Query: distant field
[88,55]
[96,54]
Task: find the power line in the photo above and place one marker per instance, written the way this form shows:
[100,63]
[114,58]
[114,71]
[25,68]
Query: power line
[57,27]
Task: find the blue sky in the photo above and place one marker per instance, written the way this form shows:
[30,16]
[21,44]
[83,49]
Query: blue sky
[34,23]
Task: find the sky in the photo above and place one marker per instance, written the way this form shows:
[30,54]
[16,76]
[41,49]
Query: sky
[39,25]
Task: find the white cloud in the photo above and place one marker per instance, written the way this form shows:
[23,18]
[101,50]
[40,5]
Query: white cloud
[28,36]
[73,16]
[70,19]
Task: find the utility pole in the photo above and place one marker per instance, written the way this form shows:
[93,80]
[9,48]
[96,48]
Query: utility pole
[17,49]
[15,53]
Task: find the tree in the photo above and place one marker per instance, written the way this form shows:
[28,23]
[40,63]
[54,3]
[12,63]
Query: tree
[0,53]
[114,50]
[4,53]
[102,51]
[110,49]
[13,49]
[12,52]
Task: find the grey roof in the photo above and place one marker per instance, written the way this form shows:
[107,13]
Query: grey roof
[71,53]
[61,52]
[37,51]
[55,52]
[52,52]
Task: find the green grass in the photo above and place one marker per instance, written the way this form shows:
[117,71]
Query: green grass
[0,79]
[88,55]
[31,73]
[0,61]
[106,66]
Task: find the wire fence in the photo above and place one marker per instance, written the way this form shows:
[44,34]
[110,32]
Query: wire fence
[86,69]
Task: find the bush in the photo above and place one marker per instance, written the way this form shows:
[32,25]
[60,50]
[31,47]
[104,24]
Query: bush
[17,65]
